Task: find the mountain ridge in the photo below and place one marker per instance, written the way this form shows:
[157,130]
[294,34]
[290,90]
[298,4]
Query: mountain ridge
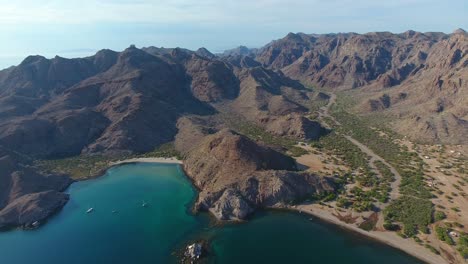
[130,102]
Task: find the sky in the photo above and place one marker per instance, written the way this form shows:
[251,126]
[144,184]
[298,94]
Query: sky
[70,28]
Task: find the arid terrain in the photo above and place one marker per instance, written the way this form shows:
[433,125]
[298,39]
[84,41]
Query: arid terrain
[368,131]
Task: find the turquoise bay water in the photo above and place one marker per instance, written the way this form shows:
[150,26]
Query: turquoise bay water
[151,234]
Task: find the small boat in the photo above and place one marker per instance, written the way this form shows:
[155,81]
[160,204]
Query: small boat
[90,210]
[35,224]
[144,204]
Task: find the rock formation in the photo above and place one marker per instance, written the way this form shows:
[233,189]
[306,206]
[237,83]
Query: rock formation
[126,102]
[236,176]
[135,100]
[421,77]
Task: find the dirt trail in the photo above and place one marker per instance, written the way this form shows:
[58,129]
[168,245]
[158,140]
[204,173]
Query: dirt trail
[324,112]
[394,193]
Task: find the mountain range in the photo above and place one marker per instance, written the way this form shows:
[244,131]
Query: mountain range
[134,101]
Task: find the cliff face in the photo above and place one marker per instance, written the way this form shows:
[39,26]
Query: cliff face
[236,176]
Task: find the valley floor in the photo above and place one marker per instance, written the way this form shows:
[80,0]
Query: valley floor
[444,168]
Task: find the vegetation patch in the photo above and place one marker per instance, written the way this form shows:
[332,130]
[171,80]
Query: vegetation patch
[369,223]
[462,245]
[443,235]
[439,216]
[89,166]
[164,151]
[415,214]
[79,167]
[414,209]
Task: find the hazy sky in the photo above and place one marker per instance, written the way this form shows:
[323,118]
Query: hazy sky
[72,28]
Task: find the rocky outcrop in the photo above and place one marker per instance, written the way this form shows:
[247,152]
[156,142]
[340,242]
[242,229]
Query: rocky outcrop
[31,208]
[27,196]
[294,126]
[236,176]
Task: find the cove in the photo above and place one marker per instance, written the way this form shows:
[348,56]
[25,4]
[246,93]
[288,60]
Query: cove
[137,234]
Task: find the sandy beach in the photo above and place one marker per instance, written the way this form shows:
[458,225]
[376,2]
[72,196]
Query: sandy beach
[389,238]
[146,160]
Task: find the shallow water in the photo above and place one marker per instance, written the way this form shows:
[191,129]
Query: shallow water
[137,234]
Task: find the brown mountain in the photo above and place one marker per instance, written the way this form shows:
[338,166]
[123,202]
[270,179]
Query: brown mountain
[237,175]
[417,78]
[27,196]
[138,99]
[126,102]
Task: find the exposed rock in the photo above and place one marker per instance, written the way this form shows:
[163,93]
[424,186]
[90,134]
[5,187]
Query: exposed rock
[133,101]
[346,59]
[27,196]
[275,103]
[241,50]
[194,251]
[236,176]
[427,67]
[242,61]
[212,80]
[31,208]
[294,126]
[203,52]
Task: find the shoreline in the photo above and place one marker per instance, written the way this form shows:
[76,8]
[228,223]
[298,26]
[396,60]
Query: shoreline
[144,160]
[389,238]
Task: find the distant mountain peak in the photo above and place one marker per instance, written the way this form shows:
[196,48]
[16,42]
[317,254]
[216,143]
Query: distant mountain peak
[241,50]
[205,53]
[32,59]
[459,31]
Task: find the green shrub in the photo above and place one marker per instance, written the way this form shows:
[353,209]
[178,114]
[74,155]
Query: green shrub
[415,214]
[442,234]
[431,248]
[439,215]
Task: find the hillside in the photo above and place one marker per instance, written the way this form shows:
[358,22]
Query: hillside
[127,103]
[419,79]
